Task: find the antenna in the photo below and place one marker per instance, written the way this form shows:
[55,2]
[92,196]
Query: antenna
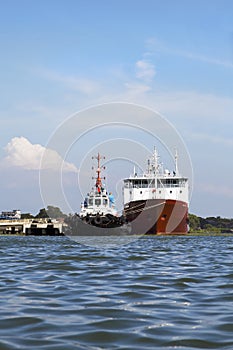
[148,166]
[176,162]
[134,170]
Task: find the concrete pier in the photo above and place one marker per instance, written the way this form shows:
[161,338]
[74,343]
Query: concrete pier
[38,227]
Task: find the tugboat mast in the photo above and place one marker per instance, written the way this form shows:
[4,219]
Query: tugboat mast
[98,183]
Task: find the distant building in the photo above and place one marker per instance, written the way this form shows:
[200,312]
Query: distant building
[8,215]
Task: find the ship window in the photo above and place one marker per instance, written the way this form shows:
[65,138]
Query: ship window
[136,183]
[170,191]
[168,183]
[182,183]
[105,201]
[180,191]
[140,192]
[151,183]
[91,201]
[144,183]
[159,191]
[97,201]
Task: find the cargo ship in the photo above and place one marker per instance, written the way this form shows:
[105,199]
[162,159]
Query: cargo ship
[156,201]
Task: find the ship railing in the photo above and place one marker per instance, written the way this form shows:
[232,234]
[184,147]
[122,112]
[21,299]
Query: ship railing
[158,186]
[168,185]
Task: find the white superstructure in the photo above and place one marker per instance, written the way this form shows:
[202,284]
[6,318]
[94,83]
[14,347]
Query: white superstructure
[97,202]
[156,183]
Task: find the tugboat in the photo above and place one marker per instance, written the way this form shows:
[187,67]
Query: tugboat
[98,215]
[98,208]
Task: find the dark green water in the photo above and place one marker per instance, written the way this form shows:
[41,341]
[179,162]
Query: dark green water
[156,292]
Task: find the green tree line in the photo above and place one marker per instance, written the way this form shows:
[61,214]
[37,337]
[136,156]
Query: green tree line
[214,224]
[51,212]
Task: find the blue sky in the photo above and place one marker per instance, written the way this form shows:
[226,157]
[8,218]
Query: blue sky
[58,57]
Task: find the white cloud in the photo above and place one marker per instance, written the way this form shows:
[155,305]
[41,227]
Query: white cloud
[192,104]
[23,154]
[135,89]
[216,189]
[83,85]
[201,58]
[145,70]
[155,45]
[224,141]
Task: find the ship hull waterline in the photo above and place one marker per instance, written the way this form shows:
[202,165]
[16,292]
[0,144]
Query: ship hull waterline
[157,216]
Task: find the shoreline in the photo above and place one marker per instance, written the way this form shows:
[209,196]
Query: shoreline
[189,234]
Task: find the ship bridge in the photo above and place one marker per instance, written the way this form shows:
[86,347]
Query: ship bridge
[156,183]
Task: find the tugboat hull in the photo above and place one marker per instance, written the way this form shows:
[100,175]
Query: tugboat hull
[76,226]
[104,221]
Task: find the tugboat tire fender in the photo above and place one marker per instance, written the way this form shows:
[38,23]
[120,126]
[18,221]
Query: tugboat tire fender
[88,219]
[98,220]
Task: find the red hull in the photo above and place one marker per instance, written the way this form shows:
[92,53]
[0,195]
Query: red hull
[157,216]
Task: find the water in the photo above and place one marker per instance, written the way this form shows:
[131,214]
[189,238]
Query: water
[156,292]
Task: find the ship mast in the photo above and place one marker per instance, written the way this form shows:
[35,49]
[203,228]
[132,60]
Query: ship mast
[176,163]
[153,163]
[98,183]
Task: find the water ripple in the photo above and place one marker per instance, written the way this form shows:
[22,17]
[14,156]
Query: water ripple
[157,292]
